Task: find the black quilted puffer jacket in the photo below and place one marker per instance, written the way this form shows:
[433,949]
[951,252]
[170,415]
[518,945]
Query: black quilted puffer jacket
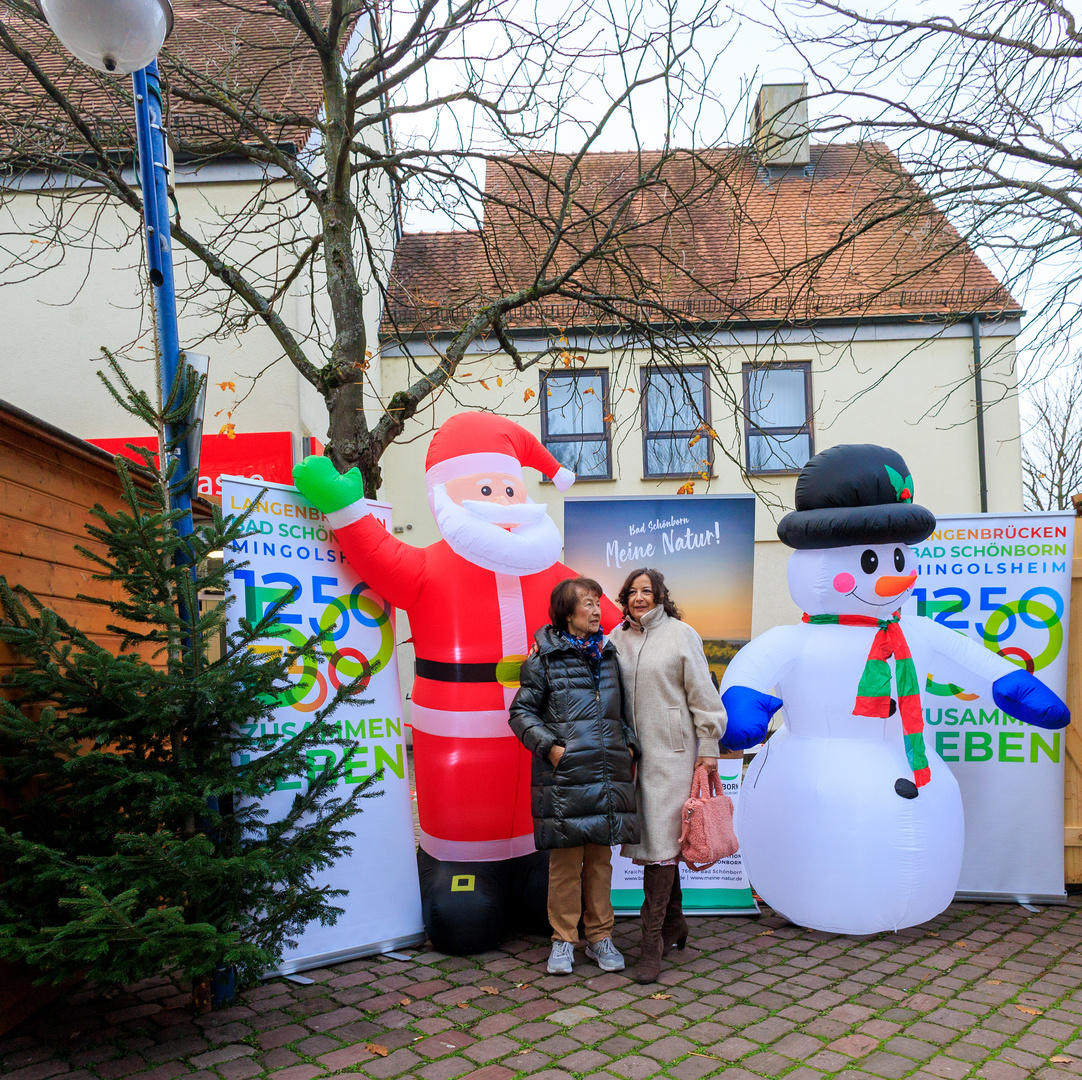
[589,798]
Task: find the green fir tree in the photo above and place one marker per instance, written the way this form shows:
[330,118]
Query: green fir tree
[132,841]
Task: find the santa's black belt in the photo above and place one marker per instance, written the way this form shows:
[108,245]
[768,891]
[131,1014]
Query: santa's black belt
[444,672]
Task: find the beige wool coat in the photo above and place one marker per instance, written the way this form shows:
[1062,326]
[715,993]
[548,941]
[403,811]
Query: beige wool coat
[677,715]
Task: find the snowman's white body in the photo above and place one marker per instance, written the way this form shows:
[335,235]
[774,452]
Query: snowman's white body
[826,840]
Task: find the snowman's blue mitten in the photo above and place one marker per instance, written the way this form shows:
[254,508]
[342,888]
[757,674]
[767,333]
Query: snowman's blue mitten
[748,716]
[1026,698]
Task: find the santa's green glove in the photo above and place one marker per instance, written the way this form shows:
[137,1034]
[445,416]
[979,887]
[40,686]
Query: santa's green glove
[325,487]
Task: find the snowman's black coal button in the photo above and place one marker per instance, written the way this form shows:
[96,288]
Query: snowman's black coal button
[906,788]
[893,707]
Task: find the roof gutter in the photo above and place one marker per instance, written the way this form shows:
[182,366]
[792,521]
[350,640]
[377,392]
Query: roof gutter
[702,325]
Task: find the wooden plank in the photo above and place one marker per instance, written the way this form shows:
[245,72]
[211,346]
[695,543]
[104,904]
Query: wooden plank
[64,480]
[21,539]
[1072,777]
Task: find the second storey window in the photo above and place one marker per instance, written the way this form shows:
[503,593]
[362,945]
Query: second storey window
[777,417]
[675,422]
[575,421]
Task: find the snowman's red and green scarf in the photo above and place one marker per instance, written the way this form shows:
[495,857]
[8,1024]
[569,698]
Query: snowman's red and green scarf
[873,693]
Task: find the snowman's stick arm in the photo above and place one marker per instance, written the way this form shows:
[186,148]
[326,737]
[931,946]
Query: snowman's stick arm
[981,671]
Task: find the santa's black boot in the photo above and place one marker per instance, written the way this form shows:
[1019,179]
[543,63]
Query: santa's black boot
[465,905]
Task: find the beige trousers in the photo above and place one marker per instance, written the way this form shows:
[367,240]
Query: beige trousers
[572,873]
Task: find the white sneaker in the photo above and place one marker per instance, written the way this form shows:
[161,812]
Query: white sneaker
[562,957]
[607,955]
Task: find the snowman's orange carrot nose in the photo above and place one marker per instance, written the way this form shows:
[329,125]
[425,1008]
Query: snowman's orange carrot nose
[892,586]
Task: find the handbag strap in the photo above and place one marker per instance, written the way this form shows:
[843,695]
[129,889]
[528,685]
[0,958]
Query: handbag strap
[706,783]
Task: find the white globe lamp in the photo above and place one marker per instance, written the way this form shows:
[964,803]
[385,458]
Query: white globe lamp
[114,36]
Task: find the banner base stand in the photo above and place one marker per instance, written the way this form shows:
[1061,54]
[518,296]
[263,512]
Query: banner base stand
[306,963]
[1013,898]
[690,913]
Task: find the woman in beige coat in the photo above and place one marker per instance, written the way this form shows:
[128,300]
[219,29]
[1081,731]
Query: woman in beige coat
[678,718]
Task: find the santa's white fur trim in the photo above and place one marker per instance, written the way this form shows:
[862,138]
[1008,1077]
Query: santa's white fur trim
[564,479]
[469,465]
[339,519]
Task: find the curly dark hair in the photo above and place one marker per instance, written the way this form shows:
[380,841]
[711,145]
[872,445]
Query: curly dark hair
[661,594]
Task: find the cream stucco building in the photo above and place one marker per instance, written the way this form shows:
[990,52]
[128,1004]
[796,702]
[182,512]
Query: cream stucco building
[832,304]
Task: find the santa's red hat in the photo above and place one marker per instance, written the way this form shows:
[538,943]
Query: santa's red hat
[476,442]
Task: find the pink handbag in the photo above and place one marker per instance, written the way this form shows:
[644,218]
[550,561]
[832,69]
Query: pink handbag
[707,834]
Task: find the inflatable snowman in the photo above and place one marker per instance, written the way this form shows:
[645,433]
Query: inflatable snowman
[848,821]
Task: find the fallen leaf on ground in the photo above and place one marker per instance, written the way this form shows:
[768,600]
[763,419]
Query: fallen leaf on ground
[526,1051]
[461,1005]
[699,1053]
[661,997]
[765,933]
[1027,1009]
[405,1001]
[961,945]
[995,982]
[932,933]
[488,990]
[1062,1059]
[375,1048]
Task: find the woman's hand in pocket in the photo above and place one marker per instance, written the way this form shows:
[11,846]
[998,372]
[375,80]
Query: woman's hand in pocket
[555,754]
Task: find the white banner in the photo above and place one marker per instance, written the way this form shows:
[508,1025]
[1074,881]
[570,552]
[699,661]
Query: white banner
[289,545]
[1005,581]
[722,890]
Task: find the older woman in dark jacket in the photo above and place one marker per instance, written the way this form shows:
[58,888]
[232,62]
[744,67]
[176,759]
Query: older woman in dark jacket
[569,714]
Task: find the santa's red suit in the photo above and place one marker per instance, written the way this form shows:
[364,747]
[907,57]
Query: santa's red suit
[472,628]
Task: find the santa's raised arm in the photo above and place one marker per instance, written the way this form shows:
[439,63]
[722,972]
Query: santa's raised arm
[475,599]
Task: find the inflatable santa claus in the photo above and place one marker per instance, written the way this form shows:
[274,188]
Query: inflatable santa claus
[475,600]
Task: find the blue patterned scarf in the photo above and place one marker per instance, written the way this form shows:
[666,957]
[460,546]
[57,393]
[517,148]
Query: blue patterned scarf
[590,647]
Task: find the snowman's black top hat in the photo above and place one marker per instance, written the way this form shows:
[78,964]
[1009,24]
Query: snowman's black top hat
[855,494]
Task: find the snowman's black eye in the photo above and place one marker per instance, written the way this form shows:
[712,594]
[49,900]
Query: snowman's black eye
[486,491]
[899,560]
[510,492]
[869,562]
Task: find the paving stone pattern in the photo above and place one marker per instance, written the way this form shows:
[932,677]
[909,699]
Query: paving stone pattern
[984,991]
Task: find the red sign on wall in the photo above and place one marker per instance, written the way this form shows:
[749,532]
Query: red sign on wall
[261,455]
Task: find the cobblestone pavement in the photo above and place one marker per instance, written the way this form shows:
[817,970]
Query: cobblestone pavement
[989,991]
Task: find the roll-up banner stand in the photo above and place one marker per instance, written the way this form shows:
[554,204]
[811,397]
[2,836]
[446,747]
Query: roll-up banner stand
[1005,581]
[289,545]
[704,545]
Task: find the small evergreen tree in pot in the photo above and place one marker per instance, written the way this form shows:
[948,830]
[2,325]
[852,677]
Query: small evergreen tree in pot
[132,841]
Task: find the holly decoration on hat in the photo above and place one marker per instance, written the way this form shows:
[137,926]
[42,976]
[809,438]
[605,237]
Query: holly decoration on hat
[903,485]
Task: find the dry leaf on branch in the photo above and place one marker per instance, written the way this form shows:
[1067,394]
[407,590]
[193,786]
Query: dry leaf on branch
[375,1048]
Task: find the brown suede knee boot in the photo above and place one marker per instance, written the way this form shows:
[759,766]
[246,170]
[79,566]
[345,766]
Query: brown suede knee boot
[674,930]
[657,883]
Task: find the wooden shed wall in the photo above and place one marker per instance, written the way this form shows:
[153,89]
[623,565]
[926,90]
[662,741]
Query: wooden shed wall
[48,483]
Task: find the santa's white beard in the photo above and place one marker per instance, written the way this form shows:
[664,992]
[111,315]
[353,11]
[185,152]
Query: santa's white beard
[527,549]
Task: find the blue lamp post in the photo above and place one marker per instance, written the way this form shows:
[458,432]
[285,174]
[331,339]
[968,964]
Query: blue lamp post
[122,37]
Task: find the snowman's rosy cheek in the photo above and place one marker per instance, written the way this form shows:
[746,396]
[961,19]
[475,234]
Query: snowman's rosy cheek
[845,583]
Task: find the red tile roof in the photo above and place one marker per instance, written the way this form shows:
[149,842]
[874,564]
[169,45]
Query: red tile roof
[270,69]
[707,236]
